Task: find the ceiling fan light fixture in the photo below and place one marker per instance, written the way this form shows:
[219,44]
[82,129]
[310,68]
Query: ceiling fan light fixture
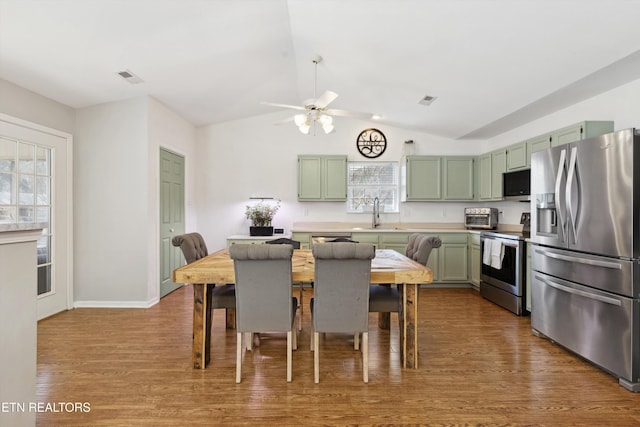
[327,128]
[304,128]
[325,120]
[300,119]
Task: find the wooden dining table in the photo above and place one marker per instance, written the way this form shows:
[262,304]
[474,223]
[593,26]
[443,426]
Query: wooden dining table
[387,267]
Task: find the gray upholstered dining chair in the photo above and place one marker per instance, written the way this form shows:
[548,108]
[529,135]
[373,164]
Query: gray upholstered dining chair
[224,295]
[341,295]
[263,295]
[296,245]
[386,299]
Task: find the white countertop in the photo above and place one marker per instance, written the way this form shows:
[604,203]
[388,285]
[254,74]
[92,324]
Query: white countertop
[342,227]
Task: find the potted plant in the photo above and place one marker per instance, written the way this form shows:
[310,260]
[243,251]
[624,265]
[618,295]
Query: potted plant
[260,216]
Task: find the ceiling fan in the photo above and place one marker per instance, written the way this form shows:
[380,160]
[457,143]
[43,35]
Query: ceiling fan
[315,110]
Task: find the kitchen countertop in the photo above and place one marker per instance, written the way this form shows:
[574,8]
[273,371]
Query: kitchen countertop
[423,227]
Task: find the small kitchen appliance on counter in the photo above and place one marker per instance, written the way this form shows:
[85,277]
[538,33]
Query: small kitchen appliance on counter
[482,218]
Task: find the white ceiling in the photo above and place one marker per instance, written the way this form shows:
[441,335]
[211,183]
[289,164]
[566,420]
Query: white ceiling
[492,64]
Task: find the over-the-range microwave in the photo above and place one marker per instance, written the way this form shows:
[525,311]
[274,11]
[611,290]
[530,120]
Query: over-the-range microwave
[516,185]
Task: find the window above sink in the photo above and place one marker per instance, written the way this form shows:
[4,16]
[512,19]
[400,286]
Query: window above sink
[368,180]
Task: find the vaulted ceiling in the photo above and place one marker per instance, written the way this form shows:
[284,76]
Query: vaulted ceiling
[492,64]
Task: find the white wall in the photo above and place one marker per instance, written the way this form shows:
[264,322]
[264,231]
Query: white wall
[24,104]
[111,211]
[172,132]
[117,198]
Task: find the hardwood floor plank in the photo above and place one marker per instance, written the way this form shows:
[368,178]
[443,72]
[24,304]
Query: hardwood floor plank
[479,365]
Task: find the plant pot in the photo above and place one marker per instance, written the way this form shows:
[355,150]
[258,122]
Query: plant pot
[260,231]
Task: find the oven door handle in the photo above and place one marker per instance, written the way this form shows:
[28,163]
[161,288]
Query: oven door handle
[573,291]
[509,243]
[595,263]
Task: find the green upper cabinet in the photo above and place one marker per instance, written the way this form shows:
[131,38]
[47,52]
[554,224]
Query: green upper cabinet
[457,178]
[309,177]
[424,178]
[580,131]
[322,178]
[439,178]
[517,157]
[539,143]
[335,178]
[498,167]
[484,177]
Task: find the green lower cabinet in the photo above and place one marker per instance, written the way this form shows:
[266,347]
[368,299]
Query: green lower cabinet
[303,238]
[474,259]
[366,238]
[434,264]
[450,261]
[396,241]
[453,263]
[250,241]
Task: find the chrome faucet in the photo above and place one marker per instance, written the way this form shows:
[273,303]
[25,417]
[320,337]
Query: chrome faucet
[375,221]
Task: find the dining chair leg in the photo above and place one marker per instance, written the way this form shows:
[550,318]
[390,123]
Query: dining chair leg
[248,338]
[295,339]
[312,340]
[290,339]
[316,358]
[239,358]
[300,304]
[230,318]
[356,341]
[365,357]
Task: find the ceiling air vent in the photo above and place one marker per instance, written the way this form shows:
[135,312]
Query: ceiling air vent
[427,100]
[130,77]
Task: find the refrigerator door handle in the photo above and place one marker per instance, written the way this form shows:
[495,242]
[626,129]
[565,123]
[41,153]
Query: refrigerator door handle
[571,174]
[595,263]
[569,290]
[559,209]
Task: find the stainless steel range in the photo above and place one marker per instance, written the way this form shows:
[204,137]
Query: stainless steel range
[503,269]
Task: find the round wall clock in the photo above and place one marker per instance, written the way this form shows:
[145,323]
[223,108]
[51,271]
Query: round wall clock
[371,143]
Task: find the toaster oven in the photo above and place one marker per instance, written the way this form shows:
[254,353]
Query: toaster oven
[483,218]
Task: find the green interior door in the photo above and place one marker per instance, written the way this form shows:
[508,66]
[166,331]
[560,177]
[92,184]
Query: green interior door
[171,217]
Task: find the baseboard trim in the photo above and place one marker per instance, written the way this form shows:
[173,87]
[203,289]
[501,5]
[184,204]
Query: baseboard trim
[448,285]
[115,304]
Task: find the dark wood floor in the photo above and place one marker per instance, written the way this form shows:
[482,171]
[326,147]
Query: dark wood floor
[479,365]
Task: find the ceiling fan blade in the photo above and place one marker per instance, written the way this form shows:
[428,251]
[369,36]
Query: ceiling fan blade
[284,121]
[294,107]
[325,99]
[343,113]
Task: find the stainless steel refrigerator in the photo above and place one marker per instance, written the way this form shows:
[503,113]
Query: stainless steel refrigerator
[585,233]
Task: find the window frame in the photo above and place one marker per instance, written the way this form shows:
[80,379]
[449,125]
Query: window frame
[373,190]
